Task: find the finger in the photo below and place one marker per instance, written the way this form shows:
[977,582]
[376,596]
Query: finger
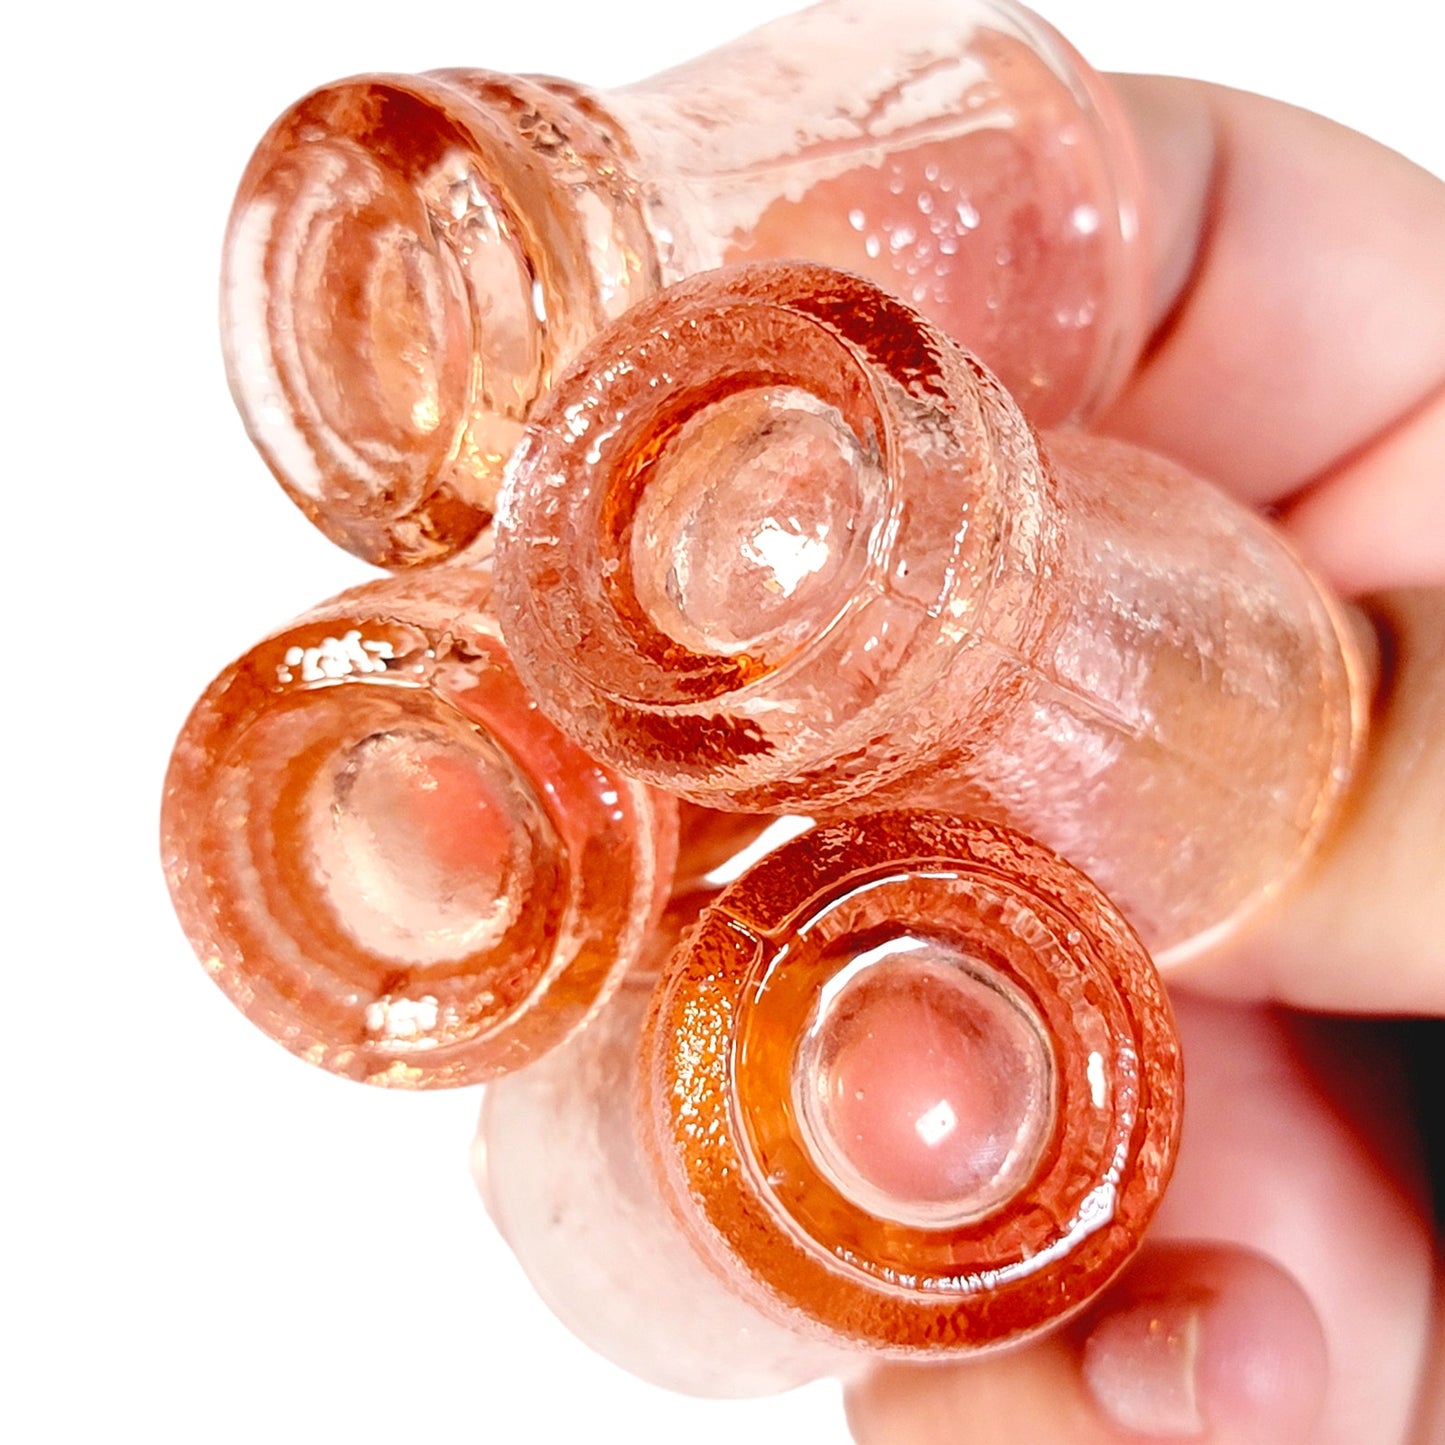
[1199,1342]
[1361,931]
[1299,1143]
[1378,519]
[1208,1338]
[1315,1230]
[1298,300]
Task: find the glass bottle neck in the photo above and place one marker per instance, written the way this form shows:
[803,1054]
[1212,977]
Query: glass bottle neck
[963,156]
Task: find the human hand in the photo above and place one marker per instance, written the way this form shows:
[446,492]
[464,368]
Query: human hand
[1298,359]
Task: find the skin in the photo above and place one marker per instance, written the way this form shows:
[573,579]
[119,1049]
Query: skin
[1289,1290]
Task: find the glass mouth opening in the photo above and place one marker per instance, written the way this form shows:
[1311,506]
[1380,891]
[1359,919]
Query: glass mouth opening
[380,315]
[923,1083]
[718,486]
[371,869]
[920,1077]
[753,528]
[426,848]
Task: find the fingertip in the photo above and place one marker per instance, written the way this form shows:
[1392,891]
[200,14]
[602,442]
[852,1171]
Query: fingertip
[1199,1342]
[1209,1343]
[1297,288]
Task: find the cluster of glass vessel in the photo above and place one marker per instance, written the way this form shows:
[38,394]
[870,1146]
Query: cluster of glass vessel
[685,534]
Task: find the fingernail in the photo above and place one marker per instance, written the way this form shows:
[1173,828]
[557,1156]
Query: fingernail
[1141,1366]
[1210,1338]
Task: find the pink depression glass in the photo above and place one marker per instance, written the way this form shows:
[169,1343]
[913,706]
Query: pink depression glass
[777,543]
[412,259]
[388,859]
[780,1207]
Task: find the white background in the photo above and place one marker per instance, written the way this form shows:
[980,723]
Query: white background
[206,1240]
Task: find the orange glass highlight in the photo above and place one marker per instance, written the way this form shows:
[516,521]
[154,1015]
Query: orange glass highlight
[824,1193]
[412,259]
[828,566]
[388,859]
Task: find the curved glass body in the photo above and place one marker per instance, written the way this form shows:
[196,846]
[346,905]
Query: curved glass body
[589,1225]
[829,566]
[911,1087]
[411,259]
[388,859]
